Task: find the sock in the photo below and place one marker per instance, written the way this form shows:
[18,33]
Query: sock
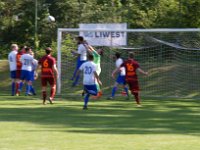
[113,91]
[52,94]
[137,99]
[44,95]
[13,88]
[86,99]
[76,80]
[20,86]
[32,90]
[126,90]
[28,89]
[17,87]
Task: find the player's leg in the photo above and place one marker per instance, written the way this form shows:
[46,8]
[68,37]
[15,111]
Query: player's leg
[32,90]
[13,82]
[52,83]
[77,77]
[90,90]
[134,87]
[28,78]
[44,92]
[76,69]
[114,89]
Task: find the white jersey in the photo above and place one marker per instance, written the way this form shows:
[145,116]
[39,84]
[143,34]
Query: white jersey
[83,52]
[34,64]
[27,61]
[118,63]
[12,60]
[88,69]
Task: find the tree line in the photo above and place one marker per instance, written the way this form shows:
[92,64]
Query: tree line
[17,17]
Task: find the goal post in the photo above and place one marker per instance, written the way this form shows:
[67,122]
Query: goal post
[171,56]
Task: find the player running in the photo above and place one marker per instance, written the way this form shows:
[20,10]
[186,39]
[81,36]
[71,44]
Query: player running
[13,66]
[48,67]
[120,80]
[97,60]
[131,67]
[90,77]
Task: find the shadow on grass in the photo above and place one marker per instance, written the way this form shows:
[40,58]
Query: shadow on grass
[106,117]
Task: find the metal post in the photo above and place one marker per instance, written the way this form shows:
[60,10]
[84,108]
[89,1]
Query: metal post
[36,43]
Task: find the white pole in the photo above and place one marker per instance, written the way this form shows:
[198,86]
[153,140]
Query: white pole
[59,39]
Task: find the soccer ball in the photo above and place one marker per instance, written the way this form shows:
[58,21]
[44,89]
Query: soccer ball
[51,19]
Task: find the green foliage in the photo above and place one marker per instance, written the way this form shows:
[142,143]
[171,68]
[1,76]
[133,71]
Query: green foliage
[17,17]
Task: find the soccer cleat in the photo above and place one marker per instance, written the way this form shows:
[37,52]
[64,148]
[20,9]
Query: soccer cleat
[50,100]
[110,98]
[139,105]
[85,108]
[44,102]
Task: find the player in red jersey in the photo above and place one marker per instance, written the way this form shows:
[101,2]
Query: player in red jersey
[18,72]
[48,67]
[132,66]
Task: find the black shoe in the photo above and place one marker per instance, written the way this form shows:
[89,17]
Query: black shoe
[85,108]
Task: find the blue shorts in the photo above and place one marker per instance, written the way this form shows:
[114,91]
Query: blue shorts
[13,74]
[121,79]
[91,89]
[32,75]
[26,75]
[79,63]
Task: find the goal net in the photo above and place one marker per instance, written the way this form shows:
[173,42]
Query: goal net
[171,56]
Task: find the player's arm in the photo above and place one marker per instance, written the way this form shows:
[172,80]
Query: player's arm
[142,71]
[115,71]
[97,77]
[56,71]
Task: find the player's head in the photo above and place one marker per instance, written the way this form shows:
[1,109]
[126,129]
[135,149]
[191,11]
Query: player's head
[90,57]
[48,50]
[80,39]
[117,55]
[14,47]
[23,49]
[131,55]
[32,53]
[100,51]
[28,50]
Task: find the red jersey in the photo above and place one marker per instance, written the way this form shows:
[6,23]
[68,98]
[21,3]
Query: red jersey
[19,63]
[131,66]
[47,62]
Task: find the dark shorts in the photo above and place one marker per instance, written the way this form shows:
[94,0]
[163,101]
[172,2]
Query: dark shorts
[121,79]
[133,85]
[50,80]
[91,89]
[13,74]
[25,75]
[18,74]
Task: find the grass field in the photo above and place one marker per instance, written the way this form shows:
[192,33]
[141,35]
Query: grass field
[161,124]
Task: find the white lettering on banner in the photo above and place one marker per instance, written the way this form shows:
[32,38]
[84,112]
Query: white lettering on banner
[104,38]
[104,34]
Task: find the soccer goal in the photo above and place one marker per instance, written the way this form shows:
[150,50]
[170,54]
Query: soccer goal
[171,56]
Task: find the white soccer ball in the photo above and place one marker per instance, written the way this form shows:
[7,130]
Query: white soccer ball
[51,18]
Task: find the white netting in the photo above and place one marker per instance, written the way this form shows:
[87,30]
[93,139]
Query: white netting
[170,56]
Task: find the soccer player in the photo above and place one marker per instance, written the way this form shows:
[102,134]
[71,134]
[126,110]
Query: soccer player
[27,61]
[13,66]
[90,77]
[82,56]
[120,80]
[97,60]
[34,74]
[131,67]
[19,68]
[48,67]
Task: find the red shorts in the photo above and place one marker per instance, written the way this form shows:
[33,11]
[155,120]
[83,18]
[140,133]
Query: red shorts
[133,85]
[18,74]
[50,80]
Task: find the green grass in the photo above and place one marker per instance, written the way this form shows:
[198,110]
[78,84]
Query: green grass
[161,124]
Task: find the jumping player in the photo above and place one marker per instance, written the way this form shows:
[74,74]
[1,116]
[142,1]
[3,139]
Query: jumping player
[13,66]
[81,57]
[132,67]
[90,77]
[48,67]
